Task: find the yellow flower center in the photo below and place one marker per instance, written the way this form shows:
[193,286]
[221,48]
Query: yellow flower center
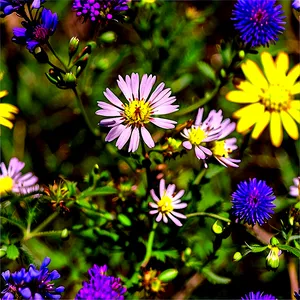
[137,112]
[165,204]
[277,98]
[6,185]
[219,149]
[196,135]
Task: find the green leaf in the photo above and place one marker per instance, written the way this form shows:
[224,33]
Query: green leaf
[214,278]
[257,248]
[124,220]
[163,254]
[290,249]
[297,244]
[12,252]
[101,191]
[102,232]
[206,70]
[181,83]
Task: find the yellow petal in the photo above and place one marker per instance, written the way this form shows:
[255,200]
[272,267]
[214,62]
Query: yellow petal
[276,129]
[6,123]
[289,125]
[242,97]
[282,62]
[292,76]
[295,104]
[248,87]
[3,93]
[261,124]
[269,67]
[294,113]
[248,116]
[8,107]
[254,74]
[295,89]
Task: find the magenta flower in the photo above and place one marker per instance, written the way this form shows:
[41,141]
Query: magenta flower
[166,203]
[129,120]
[294,189]
[12,180]
[205,137]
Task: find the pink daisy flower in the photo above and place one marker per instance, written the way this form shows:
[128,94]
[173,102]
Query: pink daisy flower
[128,120]
[166,203]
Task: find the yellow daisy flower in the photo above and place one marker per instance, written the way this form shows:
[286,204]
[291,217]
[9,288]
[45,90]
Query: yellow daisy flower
[270,97]
[6,110]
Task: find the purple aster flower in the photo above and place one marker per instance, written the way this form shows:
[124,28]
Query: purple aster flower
[98,10]
[203,135]
[166,203]
[12,179]
[294,189]
[101,286]
[129,120]
[37,33]
[10,6]
[296,4]
[258,21]
[34,284]
[297,295]
[258,296]
[252,201]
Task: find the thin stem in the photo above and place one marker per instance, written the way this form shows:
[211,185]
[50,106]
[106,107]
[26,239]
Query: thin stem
[95,131]
[199,177]
[45,223]
[57,57]
[199,103]
[44,233]
[14,223]
[214,216]
[147,166]
[149,246]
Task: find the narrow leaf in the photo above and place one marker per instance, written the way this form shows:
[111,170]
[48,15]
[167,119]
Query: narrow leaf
[214,278]
[290,249]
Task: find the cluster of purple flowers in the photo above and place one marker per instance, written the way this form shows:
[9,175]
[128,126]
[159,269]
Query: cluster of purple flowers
[32,284]
[101,286]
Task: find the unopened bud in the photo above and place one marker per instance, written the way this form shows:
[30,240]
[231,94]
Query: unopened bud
[242,54]
[237,256]
[216,228]
[223,73]
[168,275]
[274,241]
[73,45]
[70,79]
[65,234]
[108,37]
[272,260]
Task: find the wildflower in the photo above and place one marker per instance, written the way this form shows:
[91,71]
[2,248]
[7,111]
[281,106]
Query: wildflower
[272,260]
[258,21]
[204,137]
[271,98]
[6,113]
[98,10]
[166,203]
[10,6]
[101,286]
[130,119]
[252,201]
[32,284]
[258,296]
[12,180]
[37,33]
[294,189]
[296,4]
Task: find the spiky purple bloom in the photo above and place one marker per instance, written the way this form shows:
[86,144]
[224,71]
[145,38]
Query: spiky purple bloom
[294,189]
[258,21]
[258,296]
[166,203]
[10,6]
[32,284]
[100,10]
[205,137]
[296,4]
[129,120]
[252,201]
[100,286]
[38,32]
[12,179]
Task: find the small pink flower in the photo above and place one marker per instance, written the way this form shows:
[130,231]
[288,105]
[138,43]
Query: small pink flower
[129,120]
[166,203]
[294,189]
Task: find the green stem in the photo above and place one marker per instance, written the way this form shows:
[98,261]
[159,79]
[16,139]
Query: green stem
[14,223]
[198,104]
[149,246]
[199,177]
[95,131]
[44,233]
[45,223]
[147,166]
[57,57]
[214,216]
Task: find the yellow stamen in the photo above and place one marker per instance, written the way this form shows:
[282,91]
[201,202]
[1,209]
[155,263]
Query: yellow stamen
[6,185]
[276,98]
[137,112]
[165,204]
[196,135]
[219,149]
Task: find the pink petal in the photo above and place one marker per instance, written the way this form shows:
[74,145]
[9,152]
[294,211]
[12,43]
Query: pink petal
[165,219]
[108,113]
[199,117]
[134,141]
[153,195]
[159,217]
[147,87]
[153,212]
[176,221]
[114,133]
[163,123]
[124,88]
[135,81]
[167,101]
[178,195]
[166,109]
[171,189]
[187,145]
[107,106]
[165,93]
[179,205]
[113,98]
[123,138]
[205,150]
[153,205]
[178,215]
[111,122]
[199,153]
[147,137]
[162,188]
[158,89]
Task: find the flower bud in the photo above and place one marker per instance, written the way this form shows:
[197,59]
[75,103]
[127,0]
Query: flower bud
[70,79]
[155,285]
[241,54]
[108,37]
[216,228]
[168,275]
[223,73]
[237,256]
[272,260]
[2,252]
[274,241]
[73,45]
[65,234]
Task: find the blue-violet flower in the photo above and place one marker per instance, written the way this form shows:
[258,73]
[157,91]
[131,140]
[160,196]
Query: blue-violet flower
[296,4]
[258,296]
[10,6]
